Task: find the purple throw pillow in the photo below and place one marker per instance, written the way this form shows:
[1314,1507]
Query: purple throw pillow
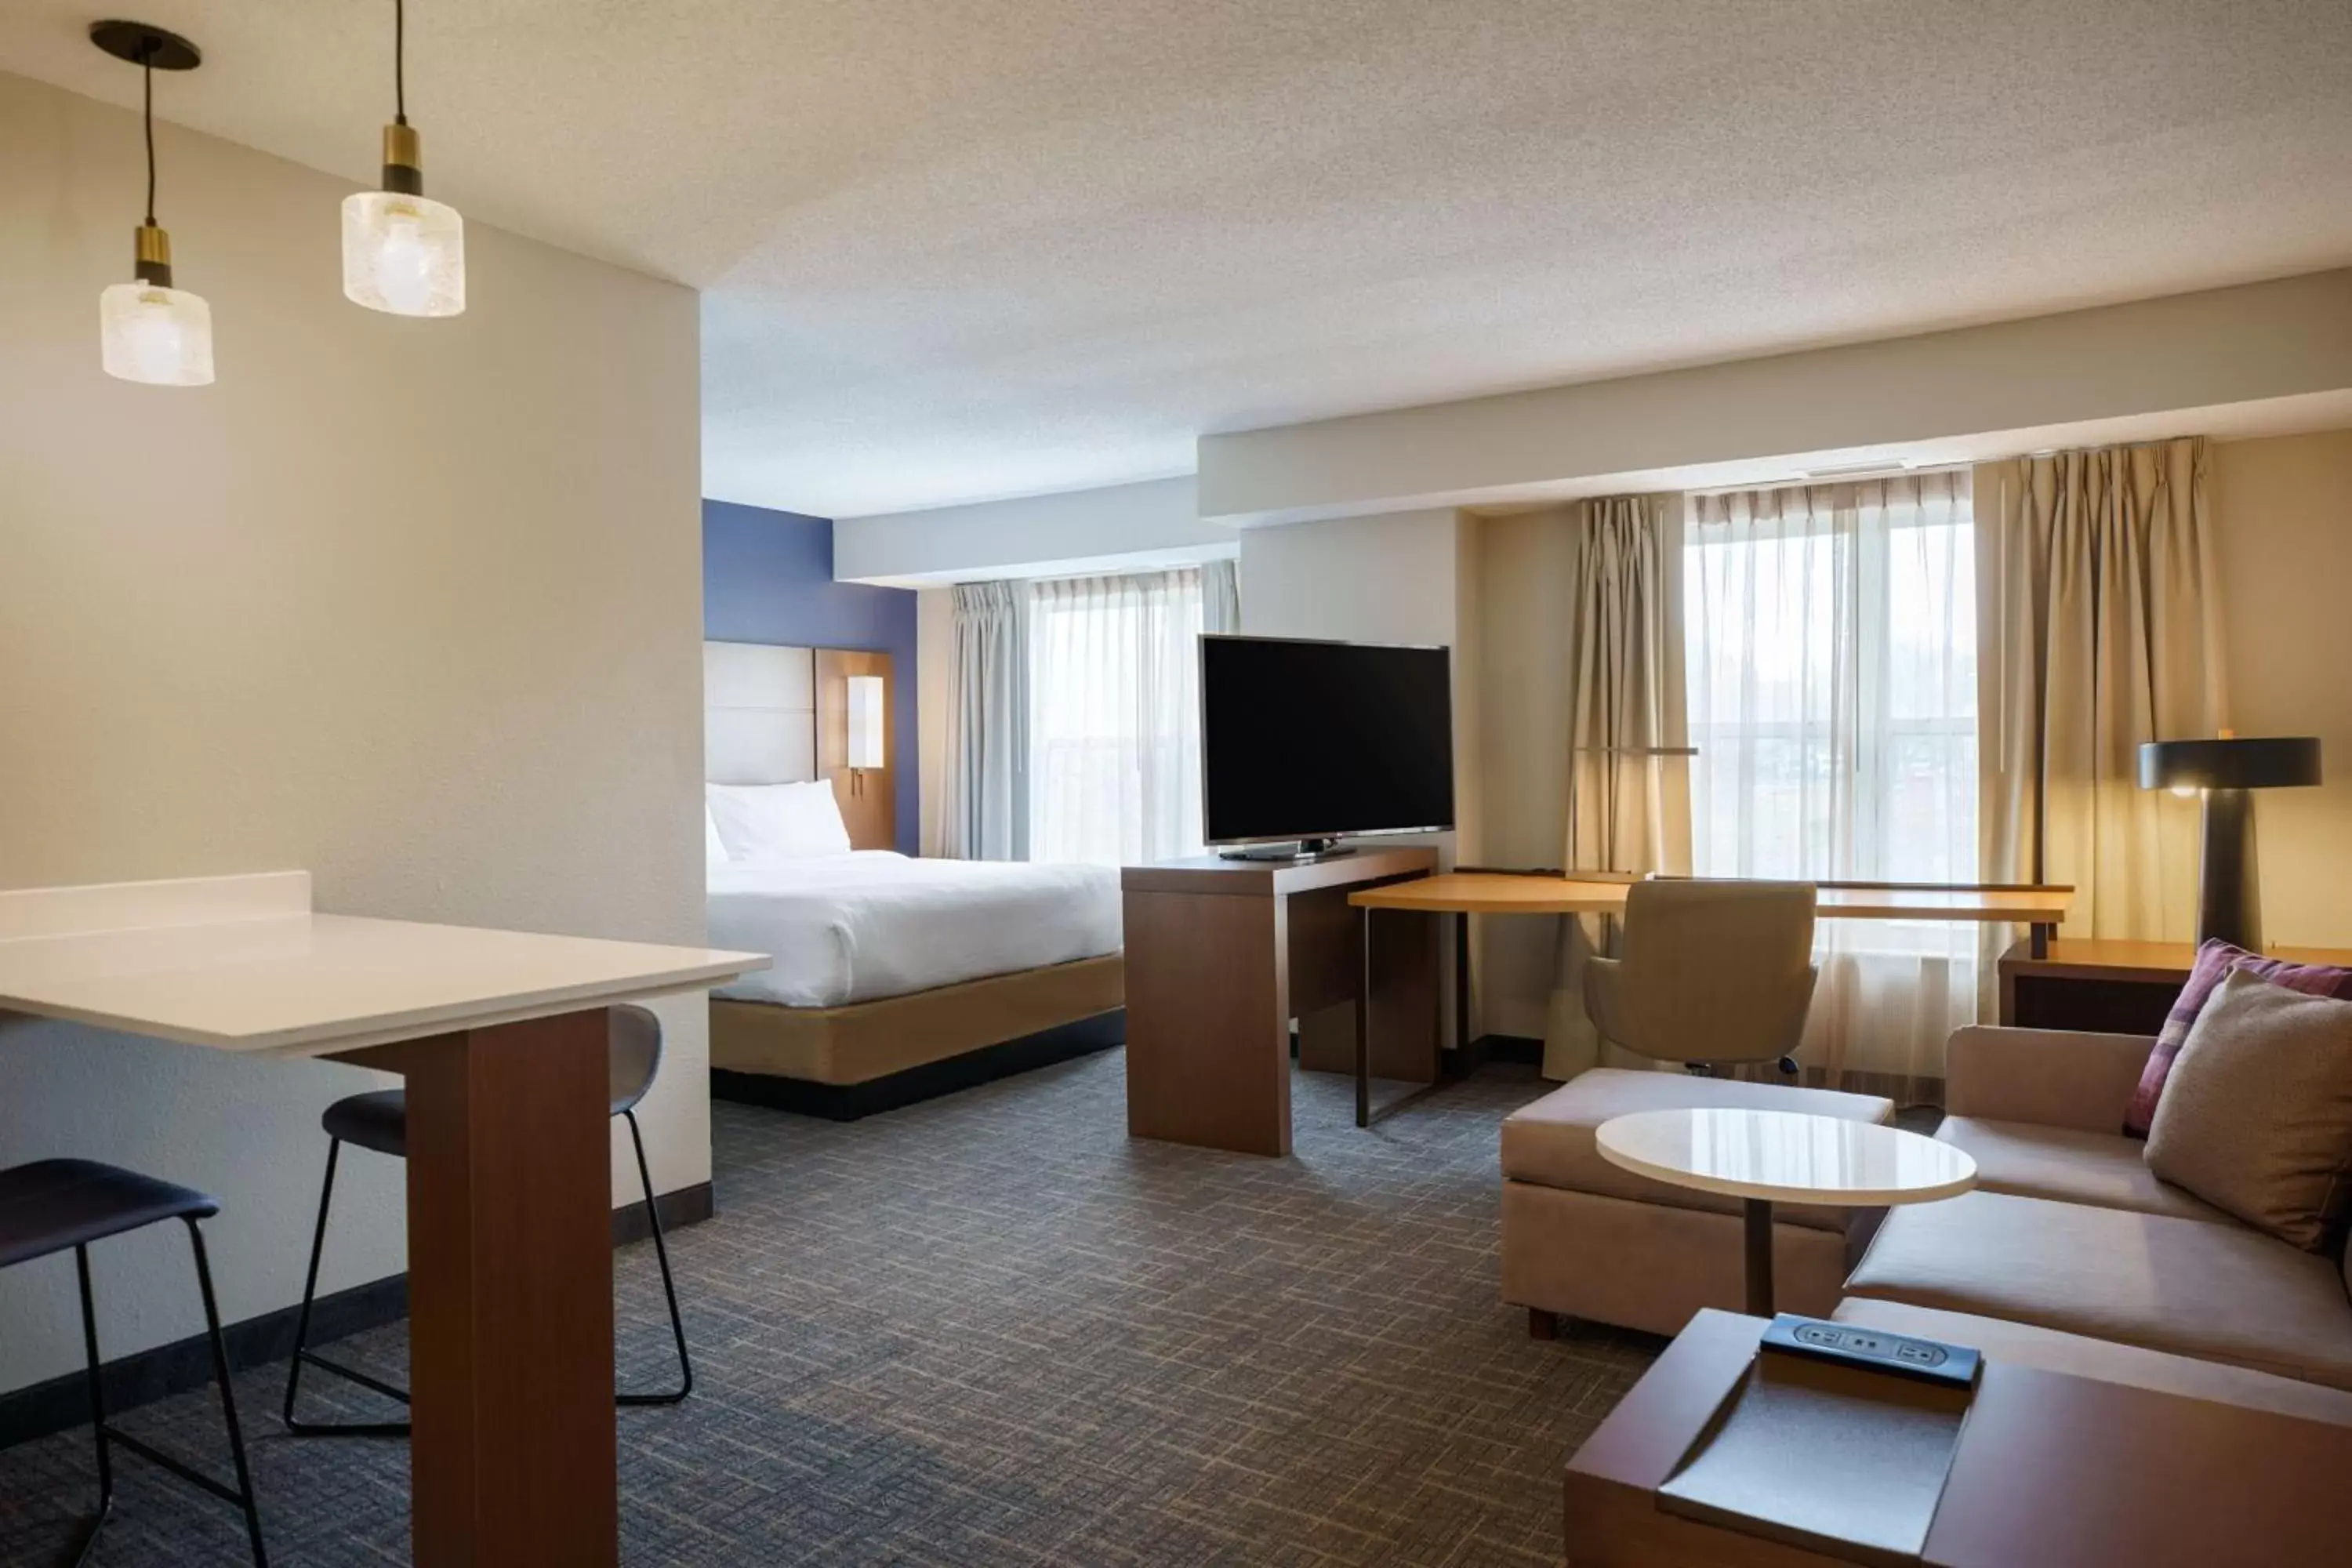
[2215,960]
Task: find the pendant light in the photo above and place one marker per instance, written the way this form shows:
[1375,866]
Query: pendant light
[402,253]
[147,330]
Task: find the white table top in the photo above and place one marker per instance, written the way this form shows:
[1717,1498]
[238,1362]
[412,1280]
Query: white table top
[1785,1156]
[273,979]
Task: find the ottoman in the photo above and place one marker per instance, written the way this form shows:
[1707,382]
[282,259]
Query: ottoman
[1584,1238]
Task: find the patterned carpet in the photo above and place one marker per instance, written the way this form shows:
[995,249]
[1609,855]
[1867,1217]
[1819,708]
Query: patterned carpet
[992,1330]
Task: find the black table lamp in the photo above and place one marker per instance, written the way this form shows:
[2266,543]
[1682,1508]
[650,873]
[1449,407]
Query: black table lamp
[2228,897]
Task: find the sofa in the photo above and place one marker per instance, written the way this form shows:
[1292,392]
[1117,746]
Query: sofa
[2069,1234]
[2070,1254]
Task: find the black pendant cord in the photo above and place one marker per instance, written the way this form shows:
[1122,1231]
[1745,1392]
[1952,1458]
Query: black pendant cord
[147,75]
[400,62]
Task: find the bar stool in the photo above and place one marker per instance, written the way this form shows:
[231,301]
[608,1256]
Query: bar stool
[379,1120]
[49,1206]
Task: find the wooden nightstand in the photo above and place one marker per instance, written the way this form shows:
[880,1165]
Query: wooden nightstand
[2115,987]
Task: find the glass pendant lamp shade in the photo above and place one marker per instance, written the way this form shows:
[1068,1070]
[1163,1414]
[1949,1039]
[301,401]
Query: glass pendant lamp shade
[147,330]
[403,254]
[160,336]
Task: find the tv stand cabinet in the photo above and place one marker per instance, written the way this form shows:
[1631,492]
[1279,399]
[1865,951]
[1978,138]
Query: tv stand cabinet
[1222,955]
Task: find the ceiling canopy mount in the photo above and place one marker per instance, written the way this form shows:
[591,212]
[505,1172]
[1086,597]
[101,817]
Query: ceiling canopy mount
[143,45]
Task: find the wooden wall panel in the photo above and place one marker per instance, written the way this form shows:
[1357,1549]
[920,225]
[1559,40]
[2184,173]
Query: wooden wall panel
[868,797]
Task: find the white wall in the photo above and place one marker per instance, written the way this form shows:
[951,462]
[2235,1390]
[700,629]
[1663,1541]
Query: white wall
[2015,385]
[1141,527]
[1527,564]
[416,606]
[1402,577]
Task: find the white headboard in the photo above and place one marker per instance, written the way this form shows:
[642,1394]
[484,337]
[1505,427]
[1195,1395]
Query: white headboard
[758,713]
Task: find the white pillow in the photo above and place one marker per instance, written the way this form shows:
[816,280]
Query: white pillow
[714,848]
[777,822]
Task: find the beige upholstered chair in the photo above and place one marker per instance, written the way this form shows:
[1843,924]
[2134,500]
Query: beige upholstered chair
[1712,972]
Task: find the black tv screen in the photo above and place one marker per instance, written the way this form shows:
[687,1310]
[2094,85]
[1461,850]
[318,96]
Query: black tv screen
[1311,740]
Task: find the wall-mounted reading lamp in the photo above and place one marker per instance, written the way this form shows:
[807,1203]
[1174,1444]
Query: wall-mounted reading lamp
[867,723]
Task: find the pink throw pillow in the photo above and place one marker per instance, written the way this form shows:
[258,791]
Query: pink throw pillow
[2215,961]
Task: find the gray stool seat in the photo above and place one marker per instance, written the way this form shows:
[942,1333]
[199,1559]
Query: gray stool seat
[378,1120]
[62,1205]
[52,1206]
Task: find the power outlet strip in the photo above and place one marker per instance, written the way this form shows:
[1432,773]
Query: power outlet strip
[1874,1349]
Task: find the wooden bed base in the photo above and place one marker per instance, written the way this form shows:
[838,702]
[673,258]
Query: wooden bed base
[846,1062]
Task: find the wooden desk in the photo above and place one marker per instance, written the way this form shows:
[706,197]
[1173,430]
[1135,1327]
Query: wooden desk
[1222,955]
[1466,893]
[1508,894]
[501,1037]
[2053,1471]
[2111,988]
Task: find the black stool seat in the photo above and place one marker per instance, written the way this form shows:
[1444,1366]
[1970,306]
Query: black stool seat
[51,1205]
[63,1206]
[378,1120]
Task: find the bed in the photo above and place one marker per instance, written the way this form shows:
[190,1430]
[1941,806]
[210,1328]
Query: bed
[894,978]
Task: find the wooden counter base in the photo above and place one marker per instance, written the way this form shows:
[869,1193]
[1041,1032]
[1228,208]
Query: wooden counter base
[510,1292]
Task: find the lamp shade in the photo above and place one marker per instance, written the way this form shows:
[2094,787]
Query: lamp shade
[159,335]
[2275,761]
[866,720]
[403,255]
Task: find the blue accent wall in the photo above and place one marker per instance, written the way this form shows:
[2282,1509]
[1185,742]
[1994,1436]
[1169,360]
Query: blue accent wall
[767,576]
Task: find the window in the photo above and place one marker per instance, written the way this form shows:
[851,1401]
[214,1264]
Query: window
[1830,646]
[1829,657]
[1115,718]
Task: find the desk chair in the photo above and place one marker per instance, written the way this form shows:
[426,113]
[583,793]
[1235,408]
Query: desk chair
[379,1120]
[1712,973]
[52,1204]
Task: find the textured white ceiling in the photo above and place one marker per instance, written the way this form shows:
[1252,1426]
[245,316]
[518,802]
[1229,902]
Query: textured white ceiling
[955,249]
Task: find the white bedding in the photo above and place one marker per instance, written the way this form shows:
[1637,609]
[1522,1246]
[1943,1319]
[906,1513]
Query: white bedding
[856,927]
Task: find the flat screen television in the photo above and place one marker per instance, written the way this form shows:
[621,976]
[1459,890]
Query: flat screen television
[1307,741]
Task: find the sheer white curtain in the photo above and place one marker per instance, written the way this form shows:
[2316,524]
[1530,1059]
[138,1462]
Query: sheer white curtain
[1115,718]
[986,812]
[1829,648]
[1221,597]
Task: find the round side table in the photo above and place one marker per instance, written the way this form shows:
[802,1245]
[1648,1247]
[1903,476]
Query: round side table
[1764,1157]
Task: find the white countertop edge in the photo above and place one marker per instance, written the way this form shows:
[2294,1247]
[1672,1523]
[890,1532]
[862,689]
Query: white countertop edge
[333,1039]
[32,914]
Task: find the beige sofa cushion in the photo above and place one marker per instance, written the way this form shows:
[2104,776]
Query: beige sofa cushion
[1550,1143]
[2256,1116]
[2024,1345]
[2219,1292]
[2104,1169]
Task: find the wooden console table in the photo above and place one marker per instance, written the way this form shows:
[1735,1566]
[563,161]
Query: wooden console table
[1222,955]
[2053,1471]
[2110,988]
[501,1038]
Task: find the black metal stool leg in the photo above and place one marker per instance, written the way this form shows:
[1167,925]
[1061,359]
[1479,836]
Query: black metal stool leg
[669,1286]
[228,1398]
[302,1353]
[88,1543]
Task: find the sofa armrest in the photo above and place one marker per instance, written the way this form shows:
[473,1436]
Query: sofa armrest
[2051,1078]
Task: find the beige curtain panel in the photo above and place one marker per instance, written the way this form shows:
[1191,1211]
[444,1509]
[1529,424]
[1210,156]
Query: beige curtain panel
[1627,811]
[2098,628]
